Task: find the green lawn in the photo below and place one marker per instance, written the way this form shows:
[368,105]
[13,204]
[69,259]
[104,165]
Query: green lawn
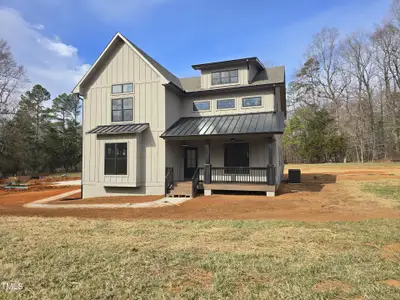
[100,259]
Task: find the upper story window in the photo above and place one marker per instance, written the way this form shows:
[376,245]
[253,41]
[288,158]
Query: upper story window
[201,105]
[225,103]
[225,77]
[122,110]
[251,101]
[115,159]
[122,88]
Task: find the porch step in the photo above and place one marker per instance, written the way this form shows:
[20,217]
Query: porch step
[173,195]
[183,184]
[181,189]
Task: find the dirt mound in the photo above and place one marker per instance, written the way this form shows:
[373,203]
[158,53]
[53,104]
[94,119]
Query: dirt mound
[329,285]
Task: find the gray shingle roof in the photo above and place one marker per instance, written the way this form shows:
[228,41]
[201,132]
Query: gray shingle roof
[273,75]
[119,129]
[227,125]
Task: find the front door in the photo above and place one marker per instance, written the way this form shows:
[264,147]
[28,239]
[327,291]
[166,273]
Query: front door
[190,162]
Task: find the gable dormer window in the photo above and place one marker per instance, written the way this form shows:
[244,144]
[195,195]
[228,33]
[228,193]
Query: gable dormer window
[225,77]
[122,88]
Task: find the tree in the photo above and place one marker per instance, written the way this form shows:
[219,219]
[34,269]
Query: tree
[63,138]
[33,109]
[311,136]
[11,78]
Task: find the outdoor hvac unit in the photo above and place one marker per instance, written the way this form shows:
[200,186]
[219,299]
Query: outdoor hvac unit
[294,176]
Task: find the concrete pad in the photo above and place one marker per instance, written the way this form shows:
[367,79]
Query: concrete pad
[68,183]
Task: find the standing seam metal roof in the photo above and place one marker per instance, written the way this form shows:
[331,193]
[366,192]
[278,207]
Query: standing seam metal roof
[227,125]
[119,129]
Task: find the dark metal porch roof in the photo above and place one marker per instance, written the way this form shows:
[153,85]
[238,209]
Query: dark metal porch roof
[238,124]
[119,129]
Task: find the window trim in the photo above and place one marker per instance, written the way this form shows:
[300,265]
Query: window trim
[220,72]
[252,106]
[202,110]
[229,108]
[122,88]
[115,158]
[122,109]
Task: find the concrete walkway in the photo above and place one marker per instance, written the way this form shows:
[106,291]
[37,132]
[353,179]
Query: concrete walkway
[43,203]
[68,183]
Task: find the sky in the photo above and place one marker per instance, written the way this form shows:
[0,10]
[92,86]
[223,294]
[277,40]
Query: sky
[58,40]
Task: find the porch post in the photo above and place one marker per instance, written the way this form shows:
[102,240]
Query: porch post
[270,161]
[207,162]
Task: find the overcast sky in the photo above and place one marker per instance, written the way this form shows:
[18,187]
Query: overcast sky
[58,40]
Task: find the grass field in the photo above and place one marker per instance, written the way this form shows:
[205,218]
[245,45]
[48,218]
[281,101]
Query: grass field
[57,256]
[99,259]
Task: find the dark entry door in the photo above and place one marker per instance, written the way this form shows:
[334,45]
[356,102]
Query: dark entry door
[190,162]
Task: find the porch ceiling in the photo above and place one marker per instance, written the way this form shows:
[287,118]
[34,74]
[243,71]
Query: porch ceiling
[239,124]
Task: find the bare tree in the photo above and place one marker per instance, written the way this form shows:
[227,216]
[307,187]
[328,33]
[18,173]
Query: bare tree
[11,78]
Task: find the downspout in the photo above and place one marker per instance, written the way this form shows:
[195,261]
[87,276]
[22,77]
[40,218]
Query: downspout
[248,71]
[81,98]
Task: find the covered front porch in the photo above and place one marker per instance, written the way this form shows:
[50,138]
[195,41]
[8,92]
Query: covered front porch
[221,164]
[228,153]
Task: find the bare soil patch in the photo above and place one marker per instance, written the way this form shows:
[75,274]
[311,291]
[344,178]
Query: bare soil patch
[393,283]
[391,252]
[76,199]
[11,202]
[330,285]
[322,196]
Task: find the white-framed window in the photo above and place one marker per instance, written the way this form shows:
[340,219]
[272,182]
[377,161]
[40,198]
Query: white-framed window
[201,105]
[251,102]
[122,88]
[225,77]
[226,104]
[122,110]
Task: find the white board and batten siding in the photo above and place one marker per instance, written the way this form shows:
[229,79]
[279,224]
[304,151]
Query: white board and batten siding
[125,66]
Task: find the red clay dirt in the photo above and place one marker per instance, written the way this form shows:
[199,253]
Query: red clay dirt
[323,196]
[76,199]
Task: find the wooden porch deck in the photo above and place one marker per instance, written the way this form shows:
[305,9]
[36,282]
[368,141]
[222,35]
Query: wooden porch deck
[248,187]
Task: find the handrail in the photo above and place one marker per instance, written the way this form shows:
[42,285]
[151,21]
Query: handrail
[195,181]
[169,179]
[256,175]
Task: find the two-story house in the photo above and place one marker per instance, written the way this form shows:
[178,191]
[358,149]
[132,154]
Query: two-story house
[147,132]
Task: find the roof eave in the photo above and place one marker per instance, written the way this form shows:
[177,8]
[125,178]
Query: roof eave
[236,88]
[226,62]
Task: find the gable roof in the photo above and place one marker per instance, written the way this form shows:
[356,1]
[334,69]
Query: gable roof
[167,74]
[158,68]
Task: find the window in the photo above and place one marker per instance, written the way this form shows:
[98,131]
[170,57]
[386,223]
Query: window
[122,110]
[201,105]
[226,103]
[251,101]
[115,159]
[224,77]
[122,88]
[236,155]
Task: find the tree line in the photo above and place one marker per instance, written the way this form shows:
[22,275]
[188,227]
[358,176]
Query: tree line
[345,99]
[34,138]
